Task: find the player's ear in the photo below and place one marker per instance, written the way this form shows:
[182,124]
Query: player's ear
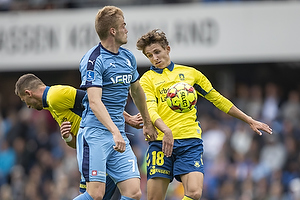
[28,92]
[168,49]
[112,31]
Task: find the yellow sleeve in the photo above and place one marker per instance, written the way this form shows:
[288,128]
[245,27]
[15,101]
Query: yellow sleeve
[204,88]
[219,101]
[150,97]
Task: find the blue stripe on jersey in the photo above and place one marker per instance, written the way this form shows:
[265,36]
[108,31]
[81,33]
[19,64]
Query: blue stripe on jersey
[78,106]
[199,89]
[85,161]
[91,63]
[44,98]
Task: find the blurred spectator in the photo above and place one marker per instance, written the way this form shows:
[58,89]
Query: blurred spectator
[7,161]
[255,102]
[5,5]
[242,96]
[290,109]
[271,102]
[6,193]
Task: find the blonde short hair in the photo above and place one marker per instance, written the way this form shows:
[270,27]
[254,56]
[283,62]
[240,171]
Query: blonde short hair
[106,18]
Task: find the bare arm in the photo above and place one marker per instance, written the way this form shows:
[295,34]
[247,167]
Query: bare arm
[138,96]
[255,125]
[135,121]
[100,111]
[168,141]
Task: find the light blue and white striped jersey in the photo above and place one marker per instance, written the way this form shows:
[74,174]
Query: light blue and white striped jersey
[114,72]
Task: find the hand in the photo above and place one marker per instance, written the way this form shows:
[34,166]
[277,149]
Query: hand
[65,129]
[150,132]
[256,126]
[167,143]
[136,121]
[120,144]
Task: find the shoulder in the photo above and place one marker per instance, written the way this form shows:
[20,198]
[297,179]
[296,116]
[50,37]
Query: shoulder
[147,74]
[188,69]
[91,55]
[60,92]
[126,52]
[184,67]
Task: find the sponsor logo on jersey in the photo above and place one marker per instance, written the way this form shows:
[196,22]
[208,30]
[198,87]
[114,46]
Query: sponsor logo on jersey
[98,173]
[126,78]
[94,172]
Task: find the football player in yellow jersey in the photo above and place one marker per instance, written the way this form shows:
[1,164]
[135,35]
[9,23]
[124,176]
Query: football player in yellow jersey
[177,152]
[64,104]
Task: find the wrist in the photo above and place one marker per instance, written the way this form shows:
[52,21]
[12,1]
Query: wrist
[68,139]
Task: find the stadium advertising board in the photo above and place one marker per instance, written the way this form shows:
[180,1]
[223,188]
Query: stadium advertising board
[198,34]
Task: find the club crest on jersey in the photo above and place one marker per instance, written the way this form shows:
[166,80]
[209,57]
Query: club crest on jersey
[125,78]
[181,77]
[90,75]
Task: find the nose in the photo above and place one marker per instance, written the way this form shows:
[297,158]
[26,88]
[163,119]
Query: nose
[155,57]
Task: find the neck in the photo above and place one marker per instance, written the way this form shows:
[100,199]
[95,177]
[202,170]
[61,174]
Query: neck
[40,92]
[111,45]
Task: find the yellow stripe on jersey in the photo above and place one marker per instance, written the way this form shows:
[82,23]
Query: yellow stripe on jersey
[61,100]
[156,85]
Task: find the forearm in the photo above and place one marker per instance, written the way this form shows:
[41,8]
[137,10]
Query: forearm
[237,113]
[138,97]
[103,116]
[159,123]
[126,117]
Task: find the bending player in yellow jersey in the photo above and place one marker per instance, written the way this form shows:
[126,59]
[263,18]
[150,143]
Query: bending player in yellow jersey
[64,104]
[177,152]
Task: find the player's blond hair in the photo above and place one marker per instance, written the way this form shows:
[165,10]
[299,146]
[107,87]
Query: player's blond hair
[27,82]
[154,36]
[107,18]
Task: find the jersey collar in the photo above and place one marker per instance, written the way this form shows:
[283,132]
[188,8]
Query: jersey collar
[160,71]
[44,98]
[108,50]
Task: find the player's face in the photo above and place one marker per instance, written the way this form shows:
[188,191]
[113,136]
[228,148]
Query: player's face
[121,32]
[158,56]
[31,102]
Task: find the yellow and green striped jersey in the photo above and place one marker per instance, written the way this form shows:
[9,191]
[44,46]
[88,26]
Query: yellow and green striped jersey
[64,104]
[156,83]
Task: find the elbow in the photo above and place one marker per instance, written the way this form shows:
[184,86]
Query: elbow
[93,104]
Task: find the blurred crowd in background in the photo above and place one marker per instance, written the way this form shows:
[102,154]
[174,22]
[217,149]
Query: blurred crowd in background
[36,164]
